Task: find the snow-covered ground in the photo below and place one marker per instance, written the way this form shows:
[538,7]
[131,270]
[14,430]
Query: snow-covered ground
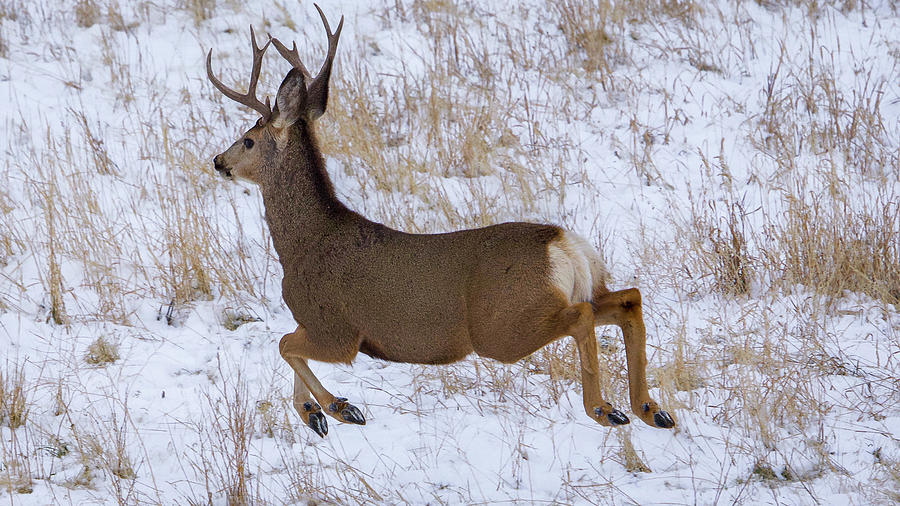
[737,161]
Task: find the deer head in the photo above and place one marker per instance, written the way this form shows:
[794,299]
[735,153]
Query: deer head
[301,99]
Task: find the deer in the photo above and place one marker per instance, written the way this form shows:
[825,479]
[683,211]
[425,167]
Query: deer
[356,286]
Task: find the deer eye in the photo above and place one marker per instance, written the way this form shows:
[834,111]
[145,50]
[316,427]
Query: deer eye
[248,143]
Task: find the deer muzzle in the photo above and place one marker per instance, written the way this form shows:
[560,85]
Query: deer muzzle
[220,166]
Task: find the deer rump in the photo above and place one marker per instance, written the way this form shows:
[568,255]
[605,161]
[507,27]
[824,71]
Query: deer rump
[435,298]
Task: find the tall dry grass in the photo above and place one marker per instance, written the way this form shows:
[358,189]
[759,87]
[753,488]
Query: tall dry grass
[481,119]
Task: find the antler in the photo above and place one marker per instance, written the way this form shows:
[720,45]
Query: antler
[292,57]
[249,99]
[318,87]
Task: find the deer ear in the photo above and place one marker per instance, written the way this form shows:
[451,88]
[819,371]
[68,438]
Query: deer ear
[290,104]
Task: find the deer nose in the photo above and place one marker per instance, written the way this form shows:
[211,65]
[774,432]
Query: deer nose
[220,166]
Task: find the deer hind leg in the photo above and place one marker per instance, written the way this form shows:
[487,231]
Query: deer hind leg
[309,410]
[623,308]
[295,348]
[579,322]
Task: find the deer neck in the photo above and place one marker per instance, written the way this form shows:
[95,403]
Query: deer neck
[302,208]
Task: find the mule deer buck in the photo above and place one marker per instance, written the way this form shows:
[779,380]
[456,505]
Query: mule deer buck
[353,285]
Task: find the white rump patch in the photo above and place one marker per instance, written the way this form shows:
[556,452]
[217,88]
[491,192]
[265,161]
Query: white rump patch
[575,267]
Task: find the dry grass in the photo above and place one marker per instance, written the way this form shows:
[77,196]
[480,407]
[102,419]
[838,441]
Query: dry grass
[14,405]
[769,246]
[719,254]
[808,112]
[54,280]
[200,10]
[103,445]
[631,460]
[87,13]
[15,480]
[102,352]
[11,9]
[411,130]
[833,245]
[4,46]
[226,435]
[594,34]
[16,472]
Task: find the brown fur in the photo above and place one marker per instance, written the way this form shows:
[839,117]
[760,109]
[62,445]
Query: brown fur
[354,285]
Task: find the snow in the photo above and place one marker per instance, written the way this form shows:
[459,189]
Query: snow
[786,379]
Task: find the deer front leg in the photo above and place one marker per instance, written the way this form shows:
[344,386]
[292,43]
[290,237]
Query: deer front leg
[309,410]
[582,329]
[296,349]
[623,308]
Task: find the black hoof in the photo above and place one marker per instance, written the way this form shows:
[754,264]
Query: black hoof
[618,418]
[663,420]
[318,423]
[353,415]
[615,417]
[348,412]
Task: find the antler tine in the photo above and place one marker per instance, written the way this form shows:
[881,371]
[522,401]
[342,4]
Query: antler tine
[292,56]
[332,42]
[249,99]
[257,63]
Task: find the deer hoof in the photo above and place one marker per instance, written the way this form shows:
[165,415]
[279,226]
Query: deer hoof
[347,412]
[609,416]
[618,418]
[318,423]
[351,414]
[663,420]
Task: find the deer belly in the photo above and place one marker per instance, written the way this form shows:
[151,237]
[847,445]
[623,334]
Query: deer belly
[418,347]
